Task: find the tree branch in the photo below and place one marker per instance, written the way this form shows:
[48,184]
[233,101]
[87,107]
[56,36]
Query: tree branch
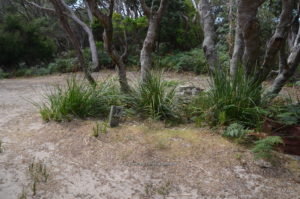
[145,8]
[52,11]
[162,7]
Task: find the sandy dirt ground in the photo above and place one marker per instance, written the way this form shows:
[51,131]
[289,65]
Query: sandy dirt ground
[135,160]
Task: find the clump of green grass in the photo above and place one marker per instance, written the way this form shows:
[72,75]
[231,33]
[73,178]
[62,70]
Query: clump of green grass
[229,100]
[154,98]
[263,148]
[79,99]
[99,128]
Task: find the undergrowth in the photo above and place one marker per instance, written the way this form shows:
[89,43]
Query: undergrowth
[229,100]
[79,99]
[154,98]
[264,147]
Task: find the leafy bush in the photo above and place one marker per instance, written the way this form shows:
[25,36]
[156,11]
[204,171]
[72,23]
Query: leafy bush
[63,65]
[24,72]
[288,114]
[154,98]
[231,100]
[193,60]
[22,41]
[235,130]
[79,99]
[264,147]
[3,74]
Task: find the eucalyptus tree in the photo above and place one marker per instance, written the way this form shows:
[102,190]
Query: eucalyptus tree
[207,19]
[69,11]
[284,42]
[154,17]
[59,9]
[103,11]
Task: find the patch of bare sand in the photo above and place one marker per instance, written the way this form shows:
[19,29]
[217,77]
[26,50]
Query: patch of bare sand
[135,160]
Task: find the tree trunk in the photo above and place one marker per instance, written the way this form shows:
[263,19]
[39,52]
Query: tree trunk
[116,58]
[148,46]
[279,37]
[282,59]
[230,36]
[154,18]
[75,42]
[247,11]
[238,50]
[289,69]
[89,32]
[207,22]
[106,21]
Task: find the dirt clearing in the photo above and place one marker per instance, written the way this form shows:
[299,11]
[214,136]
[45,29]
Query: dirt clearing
[134,160]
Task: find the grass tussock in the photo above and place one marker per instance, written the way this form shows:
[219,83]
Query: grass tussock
[79,99]
[154,98]
[229,100]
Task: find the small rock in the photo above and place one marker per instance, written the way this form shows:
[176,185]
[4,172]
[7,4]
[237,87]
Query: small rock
[115,116]
[189,90]
[263,164]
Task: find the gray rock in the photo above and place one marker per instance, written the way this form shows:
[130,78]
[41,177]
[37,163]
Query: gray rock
[115,116]
[263,164]
[188,90]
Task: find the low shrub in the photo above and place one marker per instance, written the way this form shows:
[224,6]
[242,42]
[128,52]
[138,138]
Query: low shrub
[288,114]
[230,100]
[264,147]
[79,99]
[236,130]
[3,74]
[193,60]
[154,98]
[63,65]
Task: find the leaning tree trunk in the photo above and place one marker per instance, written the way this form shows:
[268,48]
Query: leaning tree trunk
[75,42]
[89,32]
[117,59]
[148,46]
[106,21]
[278,38]
[207,22]
[289,69]
[154,18]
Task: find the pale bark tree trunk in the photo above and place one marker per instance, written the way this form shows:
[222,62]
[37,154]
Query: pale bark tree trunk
[106,21]
[247,21]
[154,18]
[231,19]
[278,39]
[59,10]
[75,42]
[207,22]
[238,50]
[89,12]
[89,32]
[289,69]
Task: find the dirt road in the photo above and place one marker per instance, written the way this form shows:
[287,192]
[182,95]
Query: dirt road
[135,160]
